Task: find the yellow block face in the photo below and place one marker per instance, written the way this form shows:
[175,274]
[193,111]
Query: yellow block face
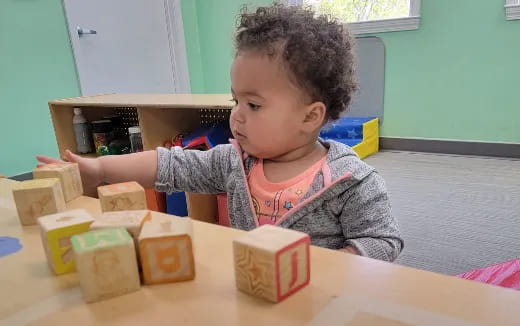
[61,249]
[56,231]
[370,143]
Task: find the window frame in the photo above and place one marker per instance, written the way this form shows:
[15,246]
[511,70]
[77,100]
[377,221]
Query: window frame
[512,8]
[411,22]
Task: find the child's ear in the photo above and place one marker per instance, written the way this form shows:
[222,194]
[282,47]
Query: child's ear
[314,116]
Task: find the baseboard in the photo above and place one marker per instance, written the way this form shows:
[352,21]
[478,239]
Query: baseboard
[22,176]
[451,147]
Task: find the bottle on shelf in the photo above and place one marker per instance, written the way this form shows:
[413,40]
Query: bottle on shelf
[81,132]
[136,140]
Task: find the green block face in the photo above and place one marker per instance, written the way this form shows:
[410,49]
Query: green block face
[100,239]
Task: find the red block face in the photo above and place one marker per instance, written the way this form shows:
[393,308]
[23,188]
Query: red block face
[292,268]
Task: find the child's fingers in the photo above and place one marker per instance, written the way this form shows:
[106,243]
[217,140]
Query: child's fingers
[46,160]
[71,157]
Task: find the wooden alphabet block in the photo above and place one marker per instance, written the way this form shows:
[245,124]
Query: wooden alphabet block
[56,230]
[272,262]
[165,247]
[35,198]
[132,221]
[106,263]
[69,176]
[122,196]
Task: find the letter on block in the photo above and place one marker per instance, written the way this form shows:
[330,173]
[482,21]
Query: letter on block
[106,263]
[165,247]
[35,198]
[126,196]
[69,176]
[56,231]
[272,262]
[132,221]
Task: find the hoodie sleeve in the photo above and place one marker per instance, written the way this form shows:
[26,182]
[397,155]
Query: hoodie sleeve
[192,170]
[367,222]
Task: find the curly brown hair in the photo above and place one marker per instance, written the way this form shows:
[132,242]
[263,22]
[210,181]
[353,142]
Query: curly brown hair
[318,50]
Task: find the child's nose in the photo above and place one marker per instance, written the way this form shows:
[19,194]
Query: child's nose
[237,114]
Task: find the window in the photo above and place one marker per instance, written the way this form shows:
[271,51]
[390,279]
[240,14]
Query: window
[512,9]
[370,16]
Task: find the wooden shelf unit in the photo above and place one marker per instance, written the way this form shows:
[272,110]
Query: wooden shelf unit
[161,116]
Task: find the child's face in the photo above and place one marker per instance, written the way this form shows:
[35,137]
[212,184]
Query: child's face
[268,118]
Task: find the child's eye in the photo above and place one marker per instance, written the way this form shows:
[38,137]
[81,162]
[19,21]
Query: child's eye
[235,101]
[253,106]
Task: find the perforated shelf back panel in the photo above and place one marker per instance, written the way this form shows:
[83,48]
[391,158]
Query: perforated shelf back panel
[209,117]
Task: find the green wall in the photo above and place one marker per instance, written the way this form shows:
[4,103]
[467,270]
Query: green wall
[451,79]
[213,35]
[455,77]
[36,65]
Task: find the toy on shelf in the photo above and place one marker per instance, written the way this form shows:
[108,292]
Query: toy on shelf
[203,138]
[362,134]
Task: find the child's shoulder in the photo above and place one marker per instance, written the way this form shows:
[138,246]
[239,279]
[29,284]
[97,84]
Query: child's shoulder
[342,160]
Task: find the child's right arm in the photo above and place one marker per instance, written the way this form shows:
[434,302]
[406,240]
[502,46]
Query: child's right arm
[168,170]
[140,167]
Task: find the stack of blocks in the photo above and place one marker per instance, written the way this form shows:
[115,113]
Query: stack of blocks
[67,173]
[35,198]
[270,262]
[53,185]
[122,196]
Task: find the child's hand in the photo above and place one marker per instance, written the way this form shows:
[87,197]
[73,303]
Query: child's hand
[90,169]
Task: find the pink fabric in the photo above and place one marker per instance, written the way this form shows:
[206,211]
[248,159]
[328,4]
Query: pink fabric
[273,200]
[506,274]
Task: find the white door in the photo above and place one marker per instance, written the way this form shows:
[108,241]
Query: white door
[128,46]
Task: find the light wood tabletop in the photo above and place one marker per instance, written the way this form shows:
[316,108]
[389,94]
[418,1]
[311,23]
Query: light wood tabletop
[374,292]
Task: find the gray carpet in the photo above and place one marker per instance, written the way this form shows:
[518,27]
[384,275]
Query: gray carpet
[456,213]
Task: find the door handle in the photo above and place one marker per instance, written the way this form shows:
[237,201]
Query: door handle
[83,31]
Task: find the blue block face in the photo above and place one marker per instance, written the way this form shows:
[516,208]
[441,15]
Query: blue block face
[349,130]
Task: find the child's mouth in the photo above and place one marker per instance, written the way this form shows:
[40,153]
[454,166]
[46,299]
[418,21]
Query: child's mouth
[239,136]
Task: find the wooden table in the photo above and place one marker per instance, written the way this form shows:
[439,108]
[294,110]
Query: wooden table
[31,294]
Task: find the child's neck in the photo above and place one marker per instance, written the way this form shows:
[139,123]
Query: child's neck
[291,164]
